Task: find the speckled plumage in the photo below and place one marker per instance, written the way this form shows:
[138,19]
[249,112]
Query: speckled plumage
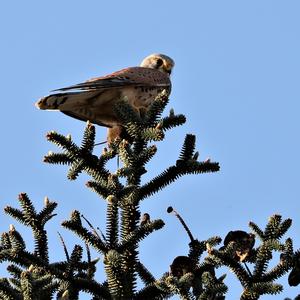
[94,99]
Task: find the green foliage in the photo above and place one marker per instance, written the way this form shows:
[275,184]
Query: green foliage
[238,252]
[191,277]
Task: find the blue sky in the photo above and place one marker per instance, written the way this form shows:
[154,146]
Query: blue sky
[236,79]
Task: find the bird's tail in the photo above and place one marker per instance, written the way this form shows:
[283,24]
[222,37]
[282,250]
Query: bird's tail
[64,101]
[95,106]
[54,101]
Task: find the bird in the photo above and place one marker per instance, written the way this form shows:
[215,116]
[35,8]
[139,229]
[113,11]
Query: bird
[94,100]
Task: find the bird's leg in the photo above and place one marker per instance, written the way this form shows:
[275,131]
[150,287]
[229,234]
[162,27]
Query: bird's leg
[142,112]
[114,133]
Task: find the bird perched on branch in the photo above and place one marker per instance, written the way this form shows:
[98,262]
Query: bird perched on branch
[94,100]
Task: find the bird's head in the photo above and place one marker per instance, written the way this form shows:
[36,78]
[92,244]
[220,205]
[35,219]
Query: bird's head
[160,62]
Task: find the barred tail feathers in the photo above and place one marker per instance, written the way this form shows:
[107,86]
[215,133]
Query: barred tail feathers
[64,101]
[95,106]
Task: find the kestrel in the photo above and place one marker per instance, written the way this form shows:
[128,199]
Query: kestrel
[94,100]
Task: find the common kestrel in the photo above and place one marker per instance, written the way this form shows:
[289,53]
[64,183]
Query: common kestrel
[94,100]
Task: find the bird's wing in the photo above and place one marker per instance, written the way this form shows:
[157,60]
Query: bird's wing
[79,116]
[134,76]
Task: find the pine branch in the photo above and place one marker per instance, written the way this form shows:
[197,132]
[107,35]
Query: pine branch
[100,187]
[146,155]
[152,134]
[16,240]
[88,140]
[57,159]
[180,286]
[16,214]
[47,212]
[264,255]
[129,219]
[14,270]
[144,274]
[80,158]
[172,121]
[120,246]
[75,225]
[115,277]
[213,288]
[155,110]
[258,289]
[126,154]
[36,221]
[173,173]
[226,259]
[151,292]
[134,237]
[112,223]
[258,232]
[92,287]
[188,147]
[7,292]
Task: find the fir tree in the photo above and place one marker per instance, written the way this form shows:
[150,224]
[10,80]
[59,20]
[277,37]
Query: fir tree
[33,276]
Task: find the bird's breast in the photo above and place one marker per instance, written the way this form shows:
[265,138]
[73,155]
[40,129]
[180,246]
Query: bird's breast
[141,97]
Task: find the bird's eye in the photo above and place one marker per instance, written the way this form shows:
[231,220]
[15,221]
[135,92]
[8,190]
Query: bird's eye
[159,62]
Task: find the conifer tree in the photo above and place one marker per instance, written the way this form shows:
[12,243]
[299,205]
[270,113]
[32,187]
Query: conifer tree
[194,276]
